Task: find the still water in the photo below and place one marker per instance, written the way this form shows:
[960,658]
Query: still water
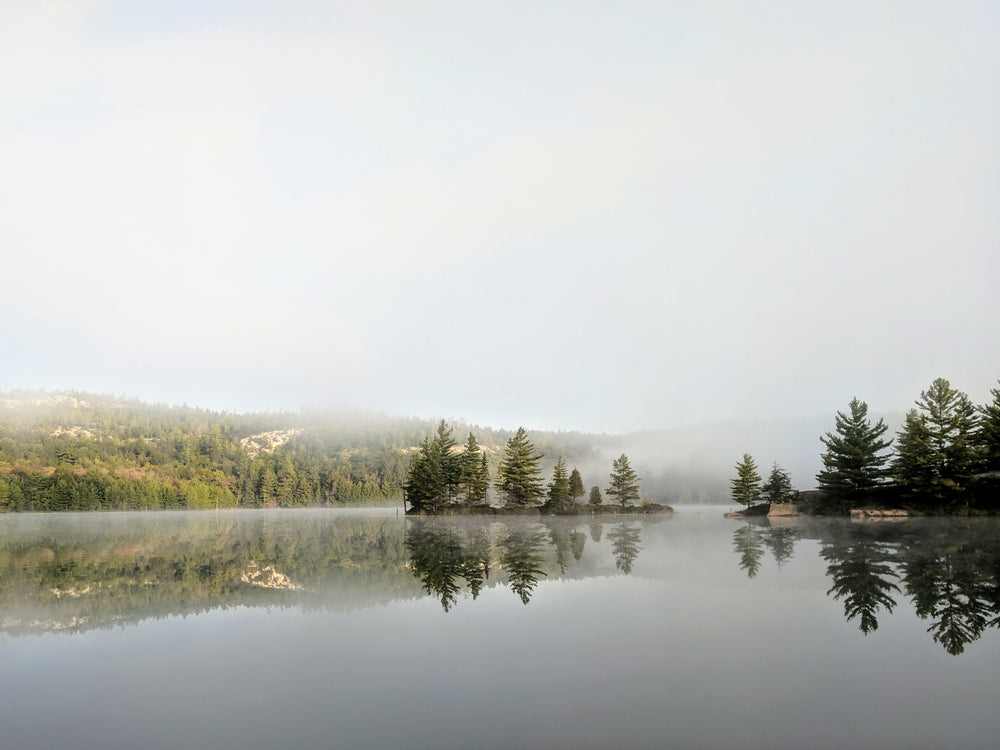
[323,629]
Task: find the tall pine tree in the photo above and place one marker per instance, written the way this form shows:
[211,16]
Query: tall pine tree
[624,487]
[988,434]
[559,497]
[576,485]
[854,462]
[474,477]
[746,485]
[936,453]
[519,478]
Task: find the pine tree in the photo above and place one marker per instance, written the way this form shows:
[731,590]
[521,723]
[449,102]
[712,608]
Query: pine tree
[595,495]
[558,487]
[988,434]
[746,485]
[575,485]
[518,478]
[936,454]
[473,477]
[624,487]
[435,472]
[778,487]
[853,460]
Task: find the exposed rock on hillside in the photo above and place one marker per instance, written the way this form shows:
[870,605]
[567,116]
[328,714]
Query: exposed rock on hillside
[267,442]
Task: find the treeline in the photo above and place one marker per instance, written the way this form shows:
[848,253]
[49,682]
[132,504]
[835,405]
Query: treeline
[78,451]
[945,458]
[443,475]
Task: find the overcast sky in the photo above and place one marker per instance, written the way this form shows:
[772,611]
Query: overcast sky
[599,216]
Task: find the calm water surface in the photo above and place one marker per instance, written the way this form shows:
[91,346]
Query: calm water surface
[319,629]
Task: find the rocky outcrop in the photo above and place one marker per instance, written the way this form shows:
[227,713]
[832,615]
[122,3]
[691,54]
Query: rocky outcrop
[267,442]
[783,509]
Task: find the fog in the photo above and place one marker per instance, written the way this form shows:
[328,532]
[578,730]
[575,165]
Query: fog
[638,216]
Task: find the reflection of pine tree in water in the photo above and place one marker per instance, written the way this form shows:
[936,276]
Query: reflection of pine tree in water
[955,586]
[625,545]
[578,541]
[560,539]
[748,542]
[781,542]
[861,571]
[476,561]
[437,559]
[521,556]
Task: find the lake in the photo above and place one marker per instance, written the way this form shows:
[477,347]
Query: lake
[365,629]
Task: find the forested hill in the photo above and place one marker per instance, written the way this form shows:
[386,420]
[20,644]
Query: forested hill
[81,451]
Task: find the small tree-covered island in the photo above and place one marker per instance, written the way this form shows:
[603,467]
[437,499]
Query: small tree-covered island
[945,460]
[447,478]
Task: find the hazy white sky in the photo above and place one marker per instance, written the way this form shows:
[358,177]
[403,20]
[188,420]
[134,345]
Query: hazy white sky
[583,215]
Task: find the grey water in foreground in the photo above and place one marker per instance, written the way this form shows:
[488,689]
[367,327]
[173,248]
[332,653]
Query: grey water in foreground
[302,629]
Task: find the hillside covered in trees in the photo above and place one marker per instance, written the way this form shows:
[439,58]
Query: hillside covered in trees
[80,451]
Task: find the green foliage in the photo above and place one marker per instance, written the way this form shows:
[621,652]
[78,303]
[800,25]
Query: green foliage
[558,498]
[746,485]
[595,495]
[474,477]
[576,488]
[778,487]
[624,487]
[854,462]
[987,437]
[518,478]
[936,451]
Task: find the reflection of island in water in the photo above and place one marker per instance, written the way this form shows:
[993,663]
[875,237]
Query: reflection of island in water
[70,574]
[948,568]
[446,556]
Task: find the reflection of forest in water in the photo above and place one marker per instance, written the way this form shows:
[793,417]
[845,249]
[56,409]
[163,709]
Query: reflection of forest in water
[71,574]
[948,568]
[450,557]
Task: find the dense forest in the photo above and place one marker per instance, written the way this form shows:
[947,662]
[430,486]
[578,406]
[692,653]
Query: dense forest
[79,451]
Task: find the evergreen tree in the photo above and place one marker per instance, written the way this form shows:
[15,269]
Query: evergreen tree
[559,487]
[518,478]
[853,460]
[936,453]
[474,476]
[778,487]
[624,487]
[746,485]
[988,434]
[451,464]
[575,485]
[913,466]
[595,495]
[435,472]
